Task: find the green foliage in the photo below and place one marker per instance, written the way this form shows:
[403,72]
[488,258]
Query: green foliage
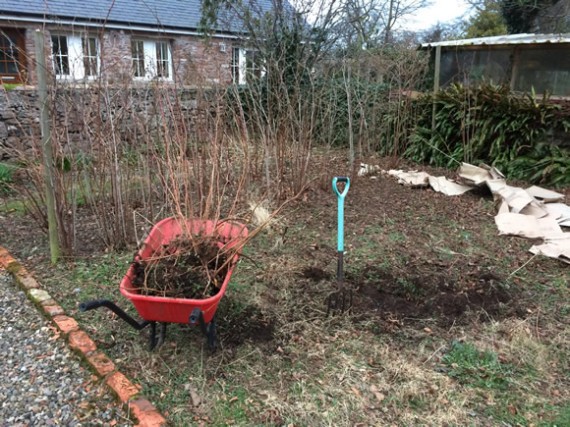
[487,22]
[10,86]
[6,176]
[489,124]
[562,417]
[519,15]
[544,163]
[477,368]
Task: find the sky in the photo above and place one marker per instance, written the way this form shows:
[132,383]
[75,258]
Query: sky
[442,11]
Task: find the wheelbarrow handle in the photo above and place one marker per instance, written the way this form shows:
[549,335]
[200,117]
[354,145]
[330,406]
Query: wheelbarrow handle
[95,304]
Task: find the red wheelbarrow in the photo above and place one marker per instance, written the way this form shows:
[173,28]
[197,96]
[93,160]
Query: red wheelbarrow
[164,310]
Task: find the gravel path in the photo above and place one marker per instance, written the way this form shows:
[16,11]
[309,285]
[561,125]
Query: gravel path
[43,382]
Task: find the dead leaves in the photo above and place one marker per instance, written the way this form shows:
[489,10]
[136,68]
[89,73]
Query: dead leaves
[380,397]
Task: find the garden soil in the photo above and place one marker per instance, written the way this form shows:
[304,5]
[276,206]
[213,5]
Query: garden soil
[408,274]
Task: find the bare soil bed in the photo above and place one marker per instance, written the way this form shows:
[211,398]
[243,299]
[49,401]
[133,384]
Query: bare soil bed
[431,281]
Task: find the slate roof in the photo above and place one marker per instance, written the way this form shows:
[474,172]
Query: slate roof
[163,14]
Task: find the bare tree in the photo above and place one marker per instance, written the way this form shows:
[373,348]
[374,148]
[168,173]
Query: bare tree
[370,23]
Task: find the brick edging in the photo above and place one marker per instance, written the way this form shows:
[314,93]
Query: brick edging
[127,393]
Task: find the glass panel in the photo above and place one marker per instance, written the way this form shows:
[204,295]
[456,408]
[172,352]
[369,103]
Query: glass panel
[60,55]
[252,66]
[544,70]
[8,53]
[137,47]
[162,60]
[90,56]
[235,65]
[472,67]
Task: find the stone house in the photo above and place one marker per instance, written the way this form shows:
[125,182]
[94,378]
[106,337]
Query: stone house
[123,40]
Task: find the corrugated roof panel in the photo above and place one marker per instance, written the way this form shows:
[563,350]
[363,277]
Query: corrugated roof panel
[504,40]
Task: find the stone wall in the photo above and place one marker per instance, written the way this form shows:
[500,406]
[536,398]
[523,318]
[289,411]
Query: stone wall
[19,122]
[82,115]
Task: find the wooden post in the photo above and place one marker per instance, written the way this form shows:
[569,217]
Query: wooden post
[515,68]
[47,149]
[435,83]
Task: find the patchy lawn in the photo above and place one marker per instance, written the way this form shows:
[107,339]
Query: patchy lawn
[446,327]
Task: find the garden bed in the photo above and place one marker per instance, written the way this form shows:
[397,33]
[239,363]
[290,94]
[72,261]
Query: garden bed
[451,324]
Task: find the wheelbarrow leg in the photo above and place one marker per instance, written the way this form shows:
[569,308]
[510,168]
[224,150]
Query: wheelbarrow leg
[211,335]
[208,329]
[152,336]
[154,340]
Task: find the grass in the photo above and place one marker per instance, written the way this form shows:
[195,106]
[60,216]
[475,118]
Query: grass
[16,207]
[562,414]
[6,177]
[477,368]
[10,86]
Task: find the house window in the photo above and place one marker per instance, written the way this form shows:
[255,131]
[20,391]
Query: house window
[90,56]
[11,54]
[75,57]
[151,59]
[246,66]
[138,58]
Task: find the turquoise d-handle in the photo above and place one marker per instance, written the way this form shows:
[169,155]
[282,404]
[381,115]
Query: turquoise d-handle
[340,199]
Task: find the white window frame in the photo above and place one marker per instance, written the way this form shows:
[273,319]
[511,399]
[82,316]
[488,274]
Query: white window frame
[151,59]
[75,57]
[240,70]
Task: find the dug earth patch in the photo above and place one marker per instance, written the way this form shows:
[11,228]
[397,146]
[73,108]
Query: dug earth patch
[422,294]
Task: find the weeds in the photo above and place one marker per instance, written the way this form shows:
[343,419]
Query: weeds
[477,368]
[6,177]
